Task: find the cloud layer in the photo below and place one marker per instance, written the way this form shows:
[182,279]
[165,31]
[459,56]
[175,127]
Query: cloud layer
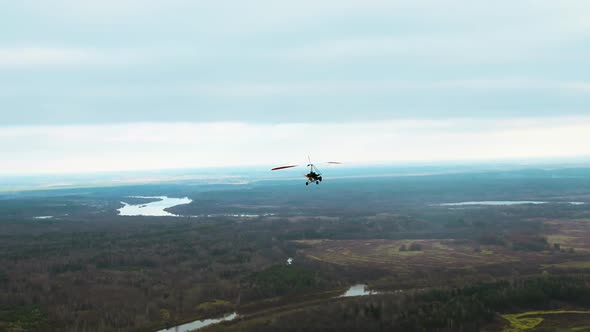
[135,84]
[140,146]
[76,62]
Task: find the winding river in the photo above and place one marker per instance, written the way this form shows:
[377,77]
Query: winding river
[358,290]
[199,324]
[355,290]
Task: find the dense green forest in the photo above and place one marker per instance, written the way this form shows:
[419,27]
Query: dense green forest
[467,308]
[437,267]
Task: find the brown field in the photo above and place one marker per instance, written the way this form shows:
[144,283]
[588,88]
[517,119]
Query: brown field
[386,254]
[449,255]
[569,233]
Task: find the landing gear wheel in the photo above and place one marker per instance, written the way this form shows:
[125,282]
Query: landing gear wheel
[317,182]
[307,183]
[320,178]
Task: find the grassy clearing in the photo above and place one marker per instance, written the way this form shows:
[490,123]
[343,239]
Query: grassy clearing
[215,305]
[570,233]
[561,239]
[22,319]
[573,265]
[386,254]
[524,322]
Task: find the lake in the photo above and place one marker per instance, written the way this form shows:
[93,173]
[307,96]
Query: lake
[43,217]
[153,209]
[504,203]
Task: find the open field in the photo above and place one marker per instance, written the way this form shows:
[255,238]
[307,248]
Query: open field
[568,245]
[386,254]
[569,233]
[548,320]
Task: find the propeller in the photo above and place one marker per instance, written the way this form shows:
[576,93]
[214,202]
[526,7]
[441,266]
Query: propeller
[308,165]
[283,167]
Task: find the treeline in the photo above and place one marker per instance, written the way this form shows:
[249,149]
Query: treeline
[23,318]
[470,308]
[124,274]
[143,273]
[281,280]
[90,270]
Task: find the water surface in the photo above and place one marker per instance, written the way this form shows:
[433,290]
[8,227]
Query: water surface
[358,290]
[355,290]
[493,203]
[154,209]
[504,203]
[199,324]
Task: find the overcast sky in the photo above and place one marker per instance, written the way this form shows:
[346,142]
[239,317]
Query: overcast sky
[144,84]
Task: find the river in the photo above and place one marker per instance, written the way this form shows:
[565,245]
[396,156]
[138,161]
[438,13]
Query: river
[358,290]
[199,324]
[355,290]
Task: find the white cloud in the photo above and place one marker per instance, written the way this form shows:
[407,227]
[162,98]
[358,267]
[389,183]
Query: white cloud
[183,60]
[343,88]
[469,47]
[323,88]
[516,83]
[33,56]
[105,10]
[63,149]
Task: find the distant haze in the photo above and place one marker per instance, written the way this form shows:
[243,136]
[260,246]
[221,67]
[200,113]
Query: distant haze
[141,84]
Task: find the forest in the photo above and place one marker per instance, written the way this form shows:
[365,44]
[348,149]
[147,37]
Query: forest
[434,267]
[468,308]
